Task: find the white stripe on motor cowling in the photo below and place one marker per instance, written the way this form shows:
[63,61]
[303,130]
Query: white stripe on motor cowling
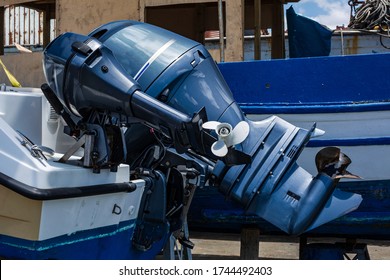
[153,58]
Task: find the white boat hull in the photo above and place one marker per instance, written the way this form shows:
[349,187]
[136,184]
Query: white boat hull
[51,209]
[361,135]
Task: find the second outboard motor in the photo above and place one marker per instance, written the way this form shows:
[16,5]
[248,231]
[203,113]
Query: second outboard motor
[172,84]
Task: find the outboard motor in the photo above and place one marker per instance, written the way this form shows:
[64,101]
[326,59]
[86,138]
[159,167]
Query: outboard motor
[143,74]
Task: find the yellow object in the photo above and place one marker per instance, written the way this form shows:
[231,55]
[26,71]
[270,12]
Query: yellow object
[11,77]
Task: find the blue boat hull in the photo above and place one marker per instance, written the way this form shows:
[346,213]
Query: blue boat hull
[370,221]
[308,84]
[112,242]
[348,98]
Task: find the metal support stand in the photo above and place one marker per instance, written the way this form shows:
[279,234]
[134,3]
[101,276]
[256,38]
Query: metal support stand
[175,250]
[348,250]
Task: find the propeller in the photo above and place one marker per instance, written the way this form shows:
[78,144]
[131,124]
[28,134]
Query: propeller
[333,162]
[227,135]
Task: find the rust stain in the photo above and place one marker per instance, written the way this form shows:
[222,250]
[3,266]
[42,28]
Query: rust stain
[23,26]
[355,45]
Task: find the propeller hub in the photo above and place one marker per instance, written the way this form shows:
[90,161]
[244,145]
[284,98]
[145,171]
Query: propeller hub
[224,131]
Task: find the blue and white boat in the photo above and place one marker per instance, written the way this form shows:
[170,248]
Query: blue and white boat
[53,210]
[347,97]
[103,161]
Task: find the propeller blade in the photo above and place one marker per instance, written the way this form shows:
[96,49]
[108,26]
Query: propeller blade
[326,156]
[348,175]
[334,163]
[219,148]
[210,125]
[317,133]
[239,134]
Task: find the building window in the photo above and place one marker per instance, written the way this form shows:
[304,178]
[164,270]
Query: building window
[24,27]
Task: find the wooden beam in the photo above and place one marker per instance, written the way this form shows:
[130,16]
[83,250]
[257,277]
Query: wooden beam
[46,25]
[278,46]
[221,23]
[257,29]
[150,3]
[2,28]
[234,30]
[17,2]
[249,246]
[200,26]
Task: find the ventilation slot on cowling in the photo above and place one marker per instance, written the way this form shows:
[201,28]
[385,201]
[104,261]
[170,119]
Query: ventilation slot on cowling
[293,151]
[293,195]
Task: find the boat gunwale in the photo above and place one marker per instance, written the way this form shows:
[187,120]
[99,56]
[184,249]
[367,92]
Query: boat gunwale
[64,192]
[315,108]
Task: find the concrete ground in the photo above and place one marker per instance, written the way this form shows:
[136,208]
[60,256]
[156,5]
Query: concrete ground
[227,246]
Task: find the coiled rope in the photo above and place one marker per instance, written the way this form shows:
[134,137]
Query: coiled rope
[371,15]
